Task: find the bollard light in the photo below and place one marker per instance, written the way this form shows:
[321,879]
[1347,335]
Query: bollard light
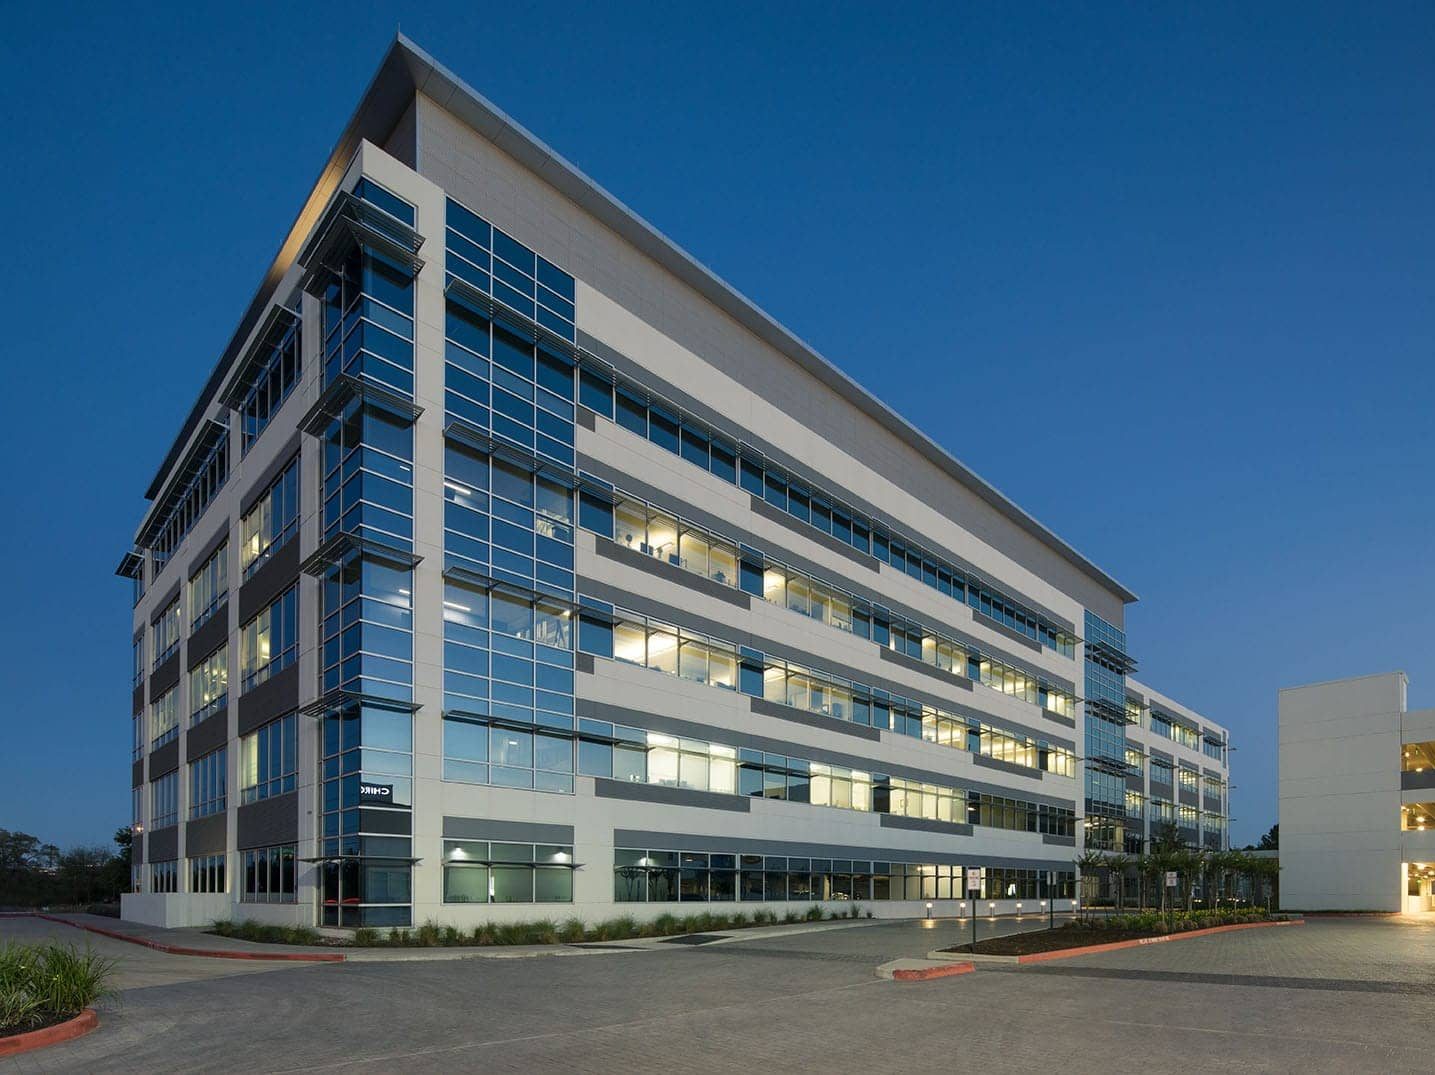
[929,910]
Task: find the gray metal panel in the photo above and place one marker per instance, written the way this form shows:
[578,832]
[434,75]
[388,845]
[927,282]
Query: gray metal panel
[521,832]
[277,695]
[656,793]
[206,550]
[206,836]
[1135,782]
[165,677]
[1187,797]
[611,550]
[586,418]
[1417,781]
[1006,767]
[271,580]
[921,824]
[209,734]
[211,634]
[137,773]
[583,662]
[269,822]
[891,656]
[164,760]
[813,720]
[1160,754]
[1057,718]
[137,705]
[164,844]
[1058,841]
[649,840]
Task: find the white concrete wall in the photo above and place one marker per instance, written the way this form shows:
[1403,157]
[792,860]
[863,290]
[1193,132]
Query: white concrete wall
[1339,791]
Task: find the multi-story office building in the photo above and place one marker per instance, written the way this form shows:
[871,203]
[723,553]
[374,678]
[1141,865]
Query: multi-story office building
[1357,797]
[508,557]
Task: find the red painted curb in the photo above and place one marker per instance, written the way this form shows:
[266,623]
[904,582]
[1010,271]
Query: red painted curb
[77,1027]
[1092,949]
[208,953]
[928,973]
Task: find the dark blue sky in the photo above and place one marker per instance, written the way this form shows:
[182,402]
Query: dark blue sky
[1180,257]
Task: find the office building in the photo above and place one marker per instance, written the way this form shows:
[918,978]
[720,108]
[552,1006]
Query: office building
[510,558]
[1357,797]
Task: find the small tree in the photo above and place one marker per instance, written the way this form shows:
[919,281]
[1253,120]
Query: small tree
[1089,863]
[1119,864]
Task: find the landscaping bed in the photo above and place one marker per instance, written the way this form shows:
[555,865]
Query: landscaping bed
[1111,930]
[544,931]
[44,985]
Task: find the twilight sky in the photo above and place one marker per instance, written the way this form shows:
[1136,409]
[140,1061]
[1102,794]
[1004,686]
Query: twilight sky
[1180,257]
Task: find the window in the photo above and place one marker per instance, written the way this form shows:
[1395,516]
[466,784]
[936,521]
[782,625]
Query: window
[139,660]
[209,587]
[164,876]
[166,633]
[476,871]
[271,522]
[267,875]
[209,685]
[164,718]
[275,379]
[190,504]
[208,778]
[268,760]
[269,643]
[206,874]
[137,728]
[1189,779]
[164,801]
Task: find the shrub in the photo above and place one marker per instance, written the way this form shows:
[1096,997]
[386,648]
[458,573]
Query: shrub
[571,931]
[45,983]
[814,913]
[366,936]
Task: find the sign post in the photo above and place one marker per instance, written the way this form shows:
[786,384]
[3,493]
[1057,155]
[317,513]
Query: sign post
[974,891]
[1171,882]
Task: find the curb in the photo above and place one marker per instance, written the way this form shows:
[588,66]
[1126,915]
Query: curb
[1093,949]
[926,974]
[77,1027]
[208,953]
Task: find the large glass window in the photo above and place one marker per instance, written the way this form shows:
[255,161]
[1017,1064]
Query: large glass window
[206,874]
[477,871]
[164,801]
[267,875]
[208,779]
[269,643]
[275,379]
[209,587]
[164,718]
[167,633]
[268,760]
[209,685]
[271,522]
[164,877]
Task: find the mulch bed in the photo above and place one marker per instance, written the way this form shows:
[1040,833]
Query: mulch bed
[1051,940]
[46,1021]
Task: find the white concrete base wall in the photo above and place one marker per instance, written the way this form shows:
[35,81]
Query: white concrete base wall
[176,910]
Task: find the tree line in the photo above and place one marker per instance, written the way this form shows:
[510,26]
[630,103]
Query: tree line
[36,874]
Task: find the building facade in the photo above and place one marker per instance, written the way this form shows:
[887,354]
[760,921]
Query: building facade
[1357,797]
[508,557]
